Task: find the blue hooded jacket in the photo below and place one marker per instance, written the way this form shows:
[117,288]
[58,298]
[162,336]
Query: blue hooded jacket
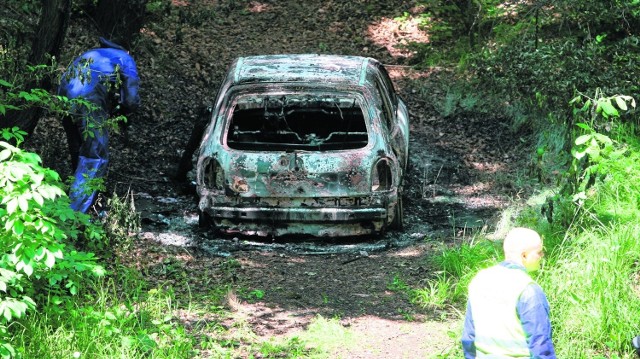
[93,72]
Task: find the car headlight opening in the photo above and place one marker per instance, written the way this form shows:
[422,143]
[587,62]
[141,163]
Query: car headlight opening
[213,175]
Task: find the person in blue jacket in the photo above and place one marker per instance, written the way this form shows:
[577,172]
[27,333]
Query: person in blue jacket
[107,79]
[507,311]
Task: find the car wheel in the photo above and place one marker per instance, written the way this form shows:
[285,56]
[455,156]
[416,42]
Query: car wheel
[398,219]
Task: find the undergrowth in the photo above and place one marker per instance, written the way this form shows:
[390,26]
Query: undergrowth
[590,231]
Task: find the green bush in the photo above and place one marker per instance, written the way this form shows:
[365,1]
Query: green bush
[37,232]
[594,155]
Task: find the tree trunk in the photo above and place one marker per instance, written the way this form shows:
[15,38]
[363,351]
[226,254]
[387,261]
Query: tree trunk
[52,28]
[120,20]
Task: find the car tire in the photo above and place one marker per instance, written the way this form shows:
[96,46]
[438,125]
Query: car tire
[204,220]
[398,219]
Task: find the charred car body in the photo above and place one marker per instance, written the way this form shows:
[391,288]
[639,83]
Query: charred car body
[304,144]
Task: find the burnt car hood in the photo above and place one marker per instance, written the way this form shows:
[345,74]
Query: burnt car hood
[297,173]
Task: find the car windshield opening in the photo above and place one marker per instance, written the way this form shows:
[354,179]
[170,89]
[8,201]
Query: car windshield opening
[325,122]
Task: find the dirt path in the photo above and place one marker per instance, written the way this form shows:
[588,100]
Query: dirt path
[302,282]
[458,170]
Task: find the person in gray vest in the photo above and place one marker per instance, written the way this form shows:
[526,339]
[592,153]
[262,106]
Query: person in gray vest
[507,311]
[635,342]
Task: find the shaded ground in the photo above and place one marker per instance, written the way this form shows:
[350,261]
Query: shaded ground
[459,177]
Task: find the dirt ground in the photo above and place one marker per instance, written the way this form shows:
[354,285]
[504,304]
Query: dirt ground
[459,180]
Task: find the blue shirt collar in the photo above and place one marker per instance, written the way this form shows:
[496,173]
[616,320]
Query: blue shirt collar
[512,265]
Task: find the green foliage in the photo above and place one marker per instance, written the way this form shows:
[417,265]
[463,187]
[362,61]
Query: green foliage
[37,233]
[523,58]
[601,111]
[158,6]
[13,98]
[455,267]
[592,153]
[591,268]
[596,17]
[397,284]
[14,80]
[292,348]
[460,264]
[458,18]
[453,351]
[593,291]
[257,294]
[120,223]
[120,319]
[322,335]
[436,294]
[457,100]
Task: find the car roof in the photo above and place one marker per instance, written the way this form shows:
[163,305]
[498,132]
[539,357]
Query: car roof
[301,68]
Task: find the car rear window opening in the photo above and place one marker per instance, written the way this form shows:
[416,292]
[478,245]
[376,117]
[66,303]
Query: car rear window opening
[297,122]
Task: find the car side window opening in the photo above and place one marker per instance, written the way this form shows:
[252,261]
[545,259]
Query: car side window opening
[386,80]
[387,112]
[314,122]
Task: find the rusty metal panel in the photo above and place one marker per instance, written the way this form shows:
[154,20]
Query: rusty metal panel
[300,68]
[297,146]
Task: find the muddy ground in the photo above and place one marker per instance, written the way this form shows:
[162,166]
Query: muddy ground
[459,182]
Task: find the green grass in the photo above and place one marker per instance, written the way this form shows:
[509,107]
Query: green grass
[591,272]
[436,294]
[325,335]
[107,324]
[121,318]
[593,284]
[593,292]
[318,340]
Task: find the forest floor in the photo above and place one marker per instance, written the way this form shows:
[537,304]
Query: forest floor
[460,181]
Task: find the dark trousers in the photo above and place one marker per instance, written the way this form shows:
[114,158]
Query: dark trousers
[74,140]
[185,165]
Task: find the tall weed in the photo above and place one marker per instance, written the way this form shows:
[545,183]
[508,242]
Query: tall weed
[140,324]
[593,291]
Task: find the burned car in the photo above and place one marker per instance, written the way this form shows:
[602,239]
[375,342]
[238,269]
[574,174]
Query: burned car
[304,144]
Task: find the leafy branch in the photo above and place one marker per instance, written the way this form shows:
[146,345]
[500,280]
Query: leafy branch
[590,152]
[37,233]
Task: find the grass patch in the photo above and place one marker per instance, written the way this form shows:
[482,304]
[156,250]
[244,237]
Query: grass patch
[101,326]
[591,270]
[593,292]
[326,335]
